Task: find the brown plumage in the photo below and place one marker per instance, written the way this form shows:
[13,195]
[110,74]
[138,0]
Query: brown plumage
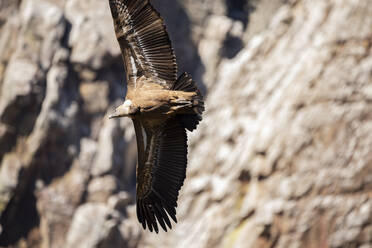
[161,106]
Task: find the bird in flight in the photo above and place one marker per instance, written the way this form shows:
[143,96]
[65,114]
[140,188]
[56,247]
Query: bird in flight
[161,107]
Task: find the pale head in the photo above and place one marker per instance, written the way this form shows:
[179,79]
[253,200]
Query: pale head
[123,110]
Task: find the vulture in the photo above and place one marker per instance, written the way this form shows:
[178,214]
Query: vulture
[161,106]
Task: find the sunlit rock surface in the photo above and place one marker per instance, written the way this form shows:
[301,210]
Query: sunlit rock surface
[283,157]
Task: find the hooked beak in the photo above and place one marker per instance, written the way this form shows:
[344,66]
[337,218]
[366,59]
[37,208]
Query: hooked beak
[114,115]
[121,111]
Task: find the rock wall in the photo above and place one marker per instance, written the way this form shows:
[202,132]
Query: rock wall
[283,157]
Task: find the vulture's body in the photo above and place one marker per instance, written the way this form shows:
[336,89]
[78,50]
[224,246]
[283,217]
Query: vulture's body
[161,106]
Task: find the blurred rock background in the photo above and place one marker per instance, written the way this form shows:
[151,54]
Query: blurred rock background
[283,157]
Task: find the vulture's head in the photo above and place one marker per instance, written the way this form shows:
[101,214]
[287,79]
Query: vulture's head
[124,110]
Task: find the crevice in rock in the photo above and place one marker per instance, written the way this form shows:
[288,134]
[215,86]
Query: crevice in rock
[240,10]
[20,116]
[20,215]
[245,176]
[231,46]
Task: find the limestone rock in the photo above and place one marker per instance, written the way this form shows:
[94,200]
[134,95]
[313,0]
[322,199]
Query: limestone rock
[92,37]
[281,159]
[289,114]
[101,188]
[94,226]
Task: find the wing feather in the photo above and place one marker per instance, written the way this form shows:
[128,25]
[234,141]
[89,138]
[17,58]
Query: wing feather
[144,41]
[161,174]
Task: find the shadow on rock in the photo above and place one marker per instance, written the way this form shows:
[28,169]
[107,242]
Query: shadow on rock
[179,29]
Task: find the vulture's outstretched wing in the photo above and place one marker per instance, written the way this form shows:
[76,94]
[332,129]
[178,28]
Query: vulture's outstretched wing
[162,161]
[144,41]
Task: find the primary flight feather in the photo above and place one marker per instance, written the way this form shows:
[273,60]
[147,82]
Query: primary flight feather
[161,107]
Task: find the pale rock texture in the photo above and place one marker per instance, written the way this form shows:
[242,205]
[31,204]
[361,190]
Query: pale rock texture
[104,232]
[282,158]
[283,155]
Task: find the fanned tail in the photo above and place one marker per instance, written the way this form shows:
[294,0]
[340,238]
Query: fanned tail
[190,121]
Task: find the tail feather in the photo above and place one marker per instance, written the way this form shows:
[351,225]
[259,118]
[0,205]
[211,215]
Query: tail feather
[190,121]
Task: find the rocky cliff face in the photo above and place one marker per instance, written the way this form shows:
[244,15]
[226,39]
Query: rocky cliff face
[283,157]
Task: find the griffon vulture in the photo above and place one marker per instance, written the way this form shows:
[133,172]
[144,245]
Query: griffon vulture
[161,107]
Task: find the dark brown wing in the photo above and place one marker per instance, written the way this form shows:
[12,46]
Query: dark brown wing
[160,173]
[144,41]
